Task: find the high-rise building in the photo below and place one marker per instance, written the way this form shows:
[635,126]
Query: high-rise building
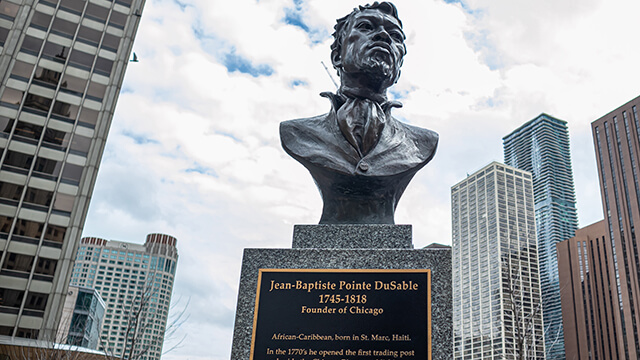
[589,306]
[616,137]
[62,64]
[496,287]
[541,146]
[135,282]
[82,317]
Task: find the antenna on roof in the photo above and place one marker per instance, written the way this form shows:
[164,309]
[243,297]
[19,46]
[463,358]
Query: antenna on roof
[330,76]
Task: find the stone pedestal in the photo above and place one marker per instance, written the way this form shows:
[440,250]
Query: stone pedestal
[369,253]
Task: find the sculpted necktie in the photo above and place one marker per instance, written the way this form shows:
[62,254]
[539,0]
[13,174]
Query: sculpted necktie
[361,122]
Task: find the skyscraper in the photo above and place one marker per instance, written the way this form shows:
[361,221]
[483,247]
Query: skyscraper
[62,63]
[541,146]
[135,282]
[616,137]
[496,287]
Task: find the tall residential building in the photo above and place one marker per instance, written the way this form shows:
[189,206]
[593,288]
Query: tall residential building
[496,287]
[541,146]
[617,143]
[589,305]
[135,282]
[62,64]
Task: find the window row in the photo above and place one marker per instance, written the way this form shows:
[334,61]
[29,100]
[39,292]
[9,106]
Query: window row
[22,332]
[51,79]
[24,263]
[51,138]
[36,198]
[93,11]
[32,229]
[13,299]
[42,167]
[39,105]
[67,29]
[59,53]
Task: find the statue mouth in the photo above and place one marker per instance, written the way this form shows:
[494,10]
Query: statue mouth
[381,47]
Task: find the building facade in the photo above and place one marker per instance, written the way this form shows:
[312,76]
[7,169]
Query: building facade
[82,318]
[496,287]
[541,146]
[589,306]
[616,138]
[135,282]
[62,64]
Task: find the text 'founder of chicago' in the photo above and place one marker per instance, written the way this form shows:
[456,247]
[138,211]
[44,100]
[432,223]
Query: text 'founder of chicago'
[360,157]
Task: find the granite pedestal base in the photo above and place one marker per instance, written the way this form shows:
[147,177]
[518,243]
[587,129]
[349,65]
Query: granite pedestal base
[437,260]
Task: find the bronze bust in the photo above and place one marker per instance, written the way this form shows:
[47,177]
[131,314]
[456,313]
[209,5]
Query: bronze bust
[360,157]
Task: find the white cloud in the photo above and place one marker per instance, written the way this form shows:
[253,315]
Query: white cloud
[194,149]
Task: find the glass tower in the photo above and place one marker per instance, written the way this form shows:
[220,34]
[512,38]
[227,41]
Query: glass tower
[82,318]
[541,146]
[496,286]
[135,282]
[62,64]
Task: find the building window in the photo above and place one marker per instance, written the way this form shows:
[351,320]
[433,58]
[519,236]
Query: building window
[8,10]
[18,262]
[31,45]
[11,298]
[22,70]
[6,125]
[40,21]
[89,36]
[110,42]
[11,97]
[10,191]
[18,161]
[73,6]
[46,266]
[55,233]
[64,28]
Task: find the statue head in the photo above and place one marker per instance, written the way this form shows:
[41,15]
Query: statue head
[369,46]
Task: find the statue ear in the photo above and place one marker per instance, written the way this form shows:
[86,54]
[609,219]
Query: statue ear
[335,58]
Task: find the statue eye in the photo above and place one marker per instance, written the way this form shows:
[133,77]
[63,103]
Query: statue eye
[364,25]
[396,36]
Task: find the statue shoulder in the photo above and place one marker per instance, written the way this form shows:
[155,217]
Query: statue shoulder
[425,140]
[298,135]
[304,125]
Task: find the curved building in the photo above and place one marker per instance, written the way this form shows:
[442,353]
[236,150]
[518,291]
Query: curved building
[541,147]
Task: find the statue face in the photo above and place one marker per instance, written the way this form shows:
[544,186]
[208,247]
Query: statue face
[373,45]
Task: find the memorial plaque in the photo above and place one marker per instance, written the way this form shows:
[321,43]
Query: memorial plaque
[342,314]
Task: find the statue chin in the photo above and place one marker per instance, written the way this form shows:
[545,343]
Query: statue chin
[379,70]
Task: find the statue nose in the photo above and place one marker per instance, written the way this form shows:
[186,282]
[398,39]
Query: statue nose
[382,35]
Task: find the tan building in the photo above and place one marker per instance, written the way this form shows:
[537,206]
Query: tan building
[62,64]
[616,137]
[589,307]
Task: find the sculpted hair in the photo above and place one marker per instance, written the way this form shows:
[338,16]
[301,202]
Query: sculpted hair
[343,23]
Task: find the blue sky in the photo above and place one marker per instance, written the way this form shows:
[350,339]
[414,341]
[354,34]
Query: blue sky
[194,151]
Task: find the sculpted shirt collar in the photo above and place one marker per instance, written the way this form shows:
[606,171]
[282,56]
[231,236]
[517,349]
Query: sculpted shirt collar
[361,116]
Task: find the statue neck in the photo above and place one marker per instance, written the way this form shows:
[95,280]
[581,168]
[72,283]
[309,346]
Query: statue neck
[354,86]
